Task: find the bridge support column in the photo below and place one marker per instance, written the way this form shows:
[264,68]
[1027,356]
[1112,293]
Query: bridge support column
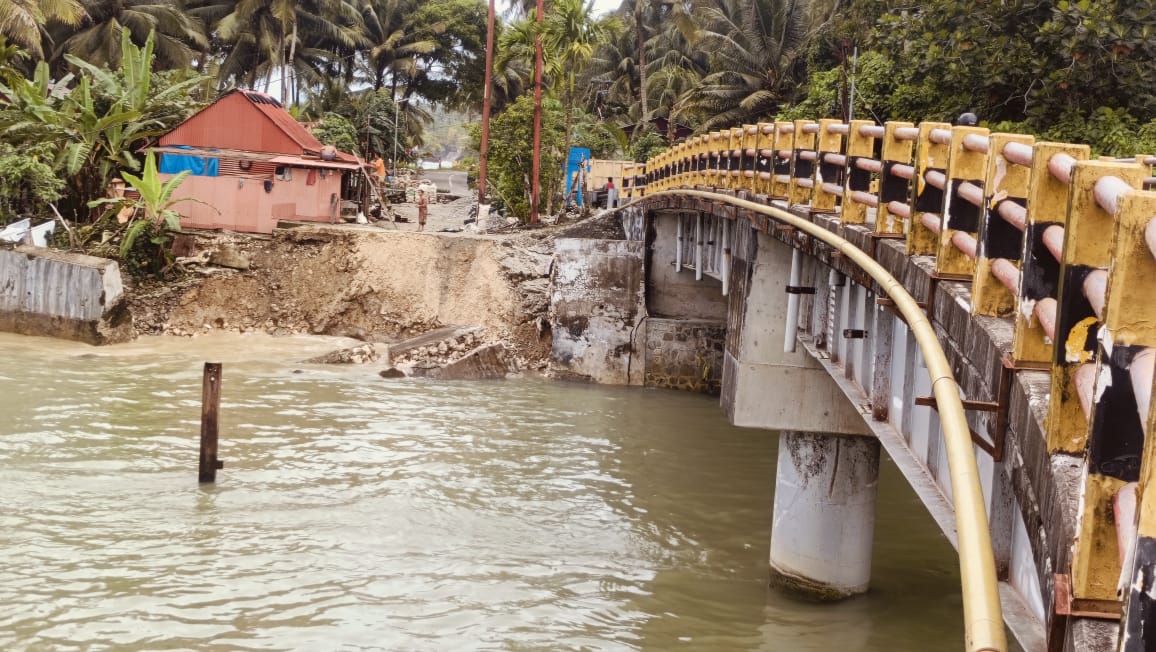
[824,515]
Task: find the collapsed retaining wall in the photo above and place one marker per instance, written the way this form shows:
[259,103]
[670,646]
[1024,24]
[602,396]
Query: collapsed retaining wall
[65,295]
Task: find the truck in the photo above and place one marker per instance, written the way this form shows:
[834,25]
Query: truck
[598,173]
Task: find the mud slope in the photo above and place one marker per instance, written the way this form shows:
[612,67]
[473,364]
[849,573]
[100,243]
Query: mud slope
[376,286]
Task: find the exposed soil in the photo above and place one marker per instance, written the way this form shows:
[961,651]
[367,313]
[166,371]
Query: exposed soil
[381,283]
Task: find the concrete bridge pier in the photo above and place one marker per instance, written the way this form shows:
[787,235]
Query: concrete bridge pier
[824,515]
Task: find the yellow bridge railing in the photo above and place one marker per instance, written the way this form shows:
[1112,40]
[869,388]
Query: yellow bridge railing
[1063,245]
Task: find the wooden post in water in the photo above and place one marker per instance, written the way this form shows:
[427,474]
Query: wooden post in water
[210,403]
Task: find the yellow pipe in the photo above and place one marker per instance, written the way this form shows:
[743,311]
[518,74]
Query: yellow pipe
[982,615]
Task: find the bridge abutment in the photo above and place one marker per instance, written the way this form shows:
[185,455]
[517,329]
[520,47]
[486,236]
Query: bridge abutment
[824,514]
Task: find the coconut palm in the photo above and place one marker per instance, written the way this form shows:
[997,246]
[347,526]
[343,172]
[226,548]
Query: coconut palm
[676,66]
[178,36]
[754,48]
[23,21]
[267,38]
[393,43]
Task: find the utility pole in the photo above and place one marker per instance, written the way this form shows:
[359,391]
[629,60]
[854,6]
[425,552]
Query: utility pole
[396,126]
[536,164]
[487,100]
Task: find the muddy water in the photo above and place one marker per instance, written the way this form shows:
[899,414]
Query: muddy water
[358,513]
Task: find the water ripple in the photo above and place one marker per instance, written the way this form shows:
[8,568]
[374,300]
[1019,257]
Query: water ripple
[359,514]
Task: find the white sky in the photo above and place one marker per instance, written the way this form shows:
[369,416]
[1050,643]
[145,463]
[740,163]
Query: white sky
[600,6]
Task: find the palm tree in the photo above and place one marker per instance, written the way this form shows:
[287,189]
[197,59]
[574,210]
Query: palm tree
[569,37]
[676,66]
[754,48]
[97,39]
[614,75]
[23,21]
[257,37]
[392,37]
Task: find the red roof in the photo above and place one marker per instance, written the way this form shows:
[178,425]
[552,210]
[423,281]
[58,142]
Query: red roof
[247,120]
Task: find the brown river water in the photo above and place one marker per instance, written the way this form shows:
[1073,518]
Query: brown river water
[356,513]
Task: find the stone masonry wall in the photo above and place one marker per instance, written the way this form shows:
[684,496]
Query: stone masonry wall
[685,354]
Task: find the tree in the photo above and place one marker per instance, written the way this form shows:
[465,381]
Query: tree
[23,21]
[28,181]
[1017,60]
[755,48]
[177,35]
[263,38]
[337,131]
[100,122]
[391,32]
[511,139]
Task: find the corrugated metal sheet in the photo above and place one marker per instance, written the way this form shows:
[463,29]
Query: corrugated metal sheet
[246,120]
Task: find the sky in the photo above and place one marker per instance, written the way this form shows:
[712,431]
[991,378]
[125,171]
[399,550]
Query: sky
[600,6]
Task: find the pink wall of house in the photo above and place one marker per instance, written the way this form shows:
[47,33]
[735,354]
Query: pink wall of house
[241,203]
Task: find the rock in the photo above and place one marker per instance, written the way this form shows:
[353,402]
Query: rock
[484,362]
[356,355]
[228,256]
[392,372]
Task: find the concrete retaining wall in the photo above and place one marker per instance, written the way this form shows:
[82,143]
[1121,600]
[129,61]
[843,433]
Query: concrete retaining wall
[596,306]
[685,354]
[57,294]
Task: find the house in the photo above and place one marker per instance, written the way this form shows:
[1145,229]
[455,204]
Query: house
[251,165]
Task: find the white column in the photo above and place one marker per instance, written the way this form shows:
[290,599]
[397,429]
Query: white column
[824,515]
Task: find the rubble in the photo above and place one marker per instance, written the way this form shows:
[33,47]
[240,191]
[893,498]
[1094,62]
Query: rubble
[483,363]
[362,354]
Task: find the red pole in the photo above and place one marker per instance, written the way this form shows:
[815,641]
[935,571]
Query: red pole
[487,100]
[535,155]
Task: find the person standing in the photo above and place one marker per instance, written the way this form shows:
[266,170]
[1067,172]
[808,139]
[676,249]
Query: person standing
[379,169]
[422,198]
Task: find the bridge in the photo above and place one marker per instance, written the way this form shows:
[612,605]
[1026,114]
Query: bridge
[979,305]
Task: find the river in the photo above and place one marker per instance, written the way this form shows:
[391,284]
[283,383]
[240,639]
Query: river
[356,513]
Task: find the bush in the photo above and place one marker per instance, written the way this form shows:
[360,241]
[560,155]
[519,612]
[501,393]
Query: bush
[28,181]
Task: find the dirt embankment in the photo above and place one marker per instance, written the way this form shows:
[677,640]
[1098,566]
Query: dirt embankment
[367,283]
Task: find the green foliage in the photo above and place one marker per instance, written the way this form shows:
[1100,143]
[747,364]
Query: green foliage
[28,179]
[336,130]
[511,145]
[1014,60]
[1110,132]
[144,223]
[826,91]
[604,139]
[647,145]
[100,122]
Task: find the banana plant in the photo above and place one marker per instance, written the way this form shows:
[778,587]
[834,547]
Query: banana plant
[153,211]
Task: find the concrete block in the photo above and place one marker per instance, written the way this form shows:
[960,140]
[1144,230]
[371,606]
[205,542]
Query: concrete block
[483,363]
[65,295]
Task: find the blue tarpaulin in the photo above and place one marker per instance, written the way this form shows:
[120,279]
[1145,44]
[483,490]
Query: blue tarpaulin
[198,165]
[579,158]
